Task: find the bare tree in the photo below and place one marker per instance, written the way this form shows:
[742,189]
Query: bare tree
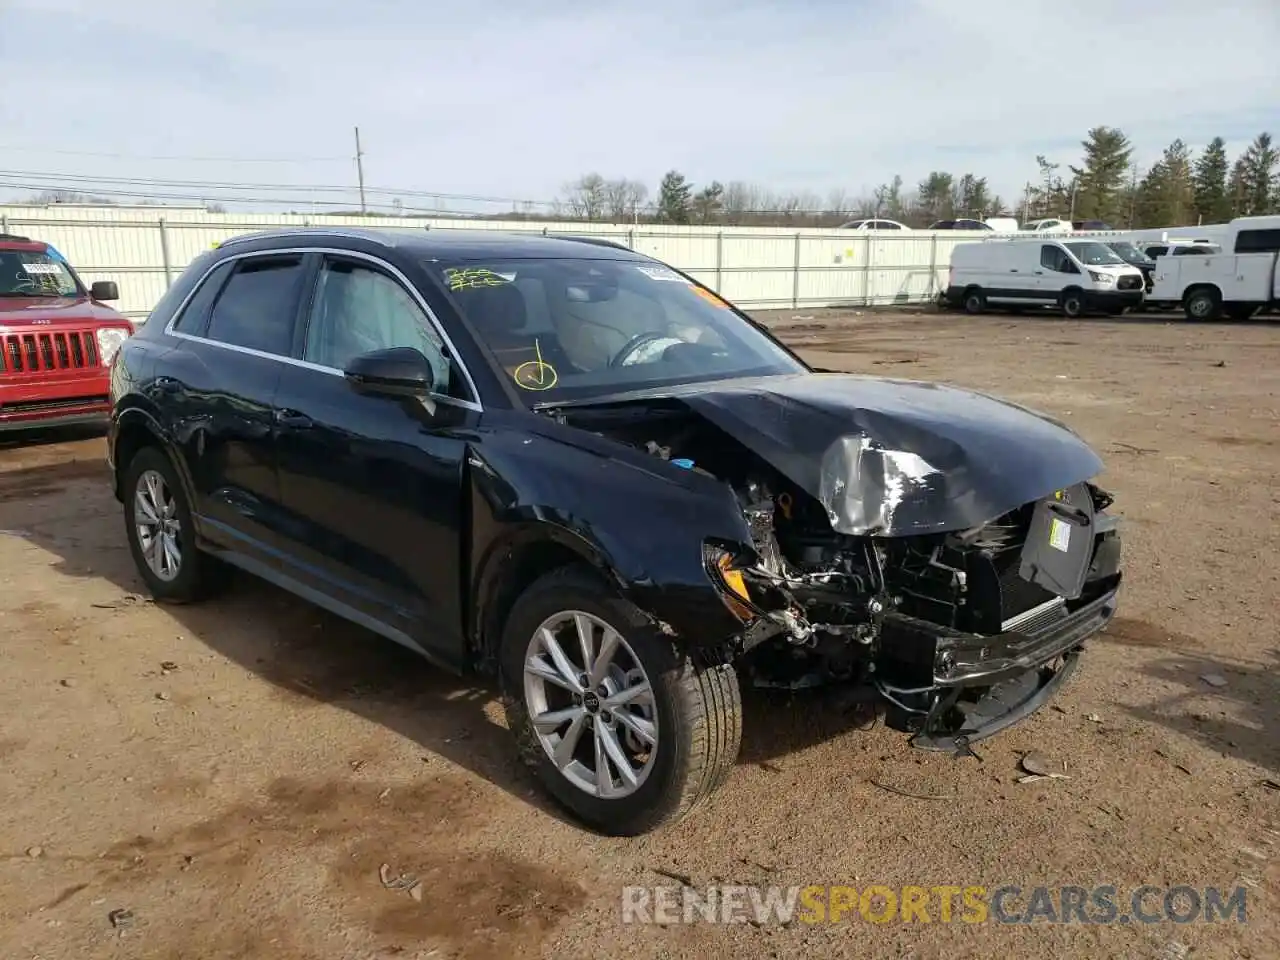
[624,198]
[585,198]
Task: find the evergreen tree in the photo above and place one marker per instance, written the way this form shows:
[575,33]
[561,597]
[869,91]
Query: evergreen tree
[675,198]
[1209,180]
[1257,172]
[1100,180]
[934,197]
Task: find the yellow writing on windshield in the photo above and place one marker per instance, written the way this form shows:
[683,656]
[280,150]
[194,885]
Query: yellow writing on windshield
[468,278]
[535,374]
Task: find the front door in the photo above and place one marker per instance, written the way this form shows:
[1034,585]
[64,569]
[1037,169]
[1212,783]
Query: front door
[373,486]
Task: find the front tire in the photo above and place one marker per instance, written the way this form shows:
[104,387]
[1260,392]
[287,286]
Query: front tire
[161,535]
[618,725]
[1072,303]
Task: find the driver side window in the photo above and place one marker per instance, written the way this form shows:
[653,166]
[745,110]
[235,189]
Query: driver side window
[358,309]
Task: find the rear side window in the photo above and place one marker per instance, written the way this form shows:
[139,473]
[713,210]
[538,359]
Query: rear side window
[194,318]
[1157,251]
[256,308]
[1258,241]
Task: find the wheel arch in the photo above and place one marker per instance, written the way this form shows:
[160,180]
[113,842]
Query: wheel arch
[511,564]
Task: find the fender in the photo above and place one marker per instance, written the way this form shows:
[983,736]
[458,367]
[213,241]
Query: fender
[528,503]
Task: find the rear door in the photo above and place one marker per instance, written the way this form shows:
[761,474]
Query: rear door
[373,485]
[233,337]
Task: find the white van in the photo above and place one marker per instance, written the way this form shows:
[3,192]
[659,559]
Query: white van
[1076,276]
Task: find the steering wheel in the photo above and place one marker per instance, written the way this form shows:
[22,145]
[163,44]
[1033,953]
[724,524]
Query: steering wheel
[24,285]
[639,340]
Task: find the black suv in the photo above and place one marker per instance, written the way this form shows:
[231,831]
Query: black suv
[564,464]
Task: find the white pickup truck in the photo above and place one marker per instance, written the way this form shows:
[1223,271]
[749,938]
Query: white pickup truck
[1236,283]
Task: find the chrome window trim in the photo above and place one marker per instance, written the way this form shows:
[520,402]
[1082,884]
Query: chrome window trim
[396,274]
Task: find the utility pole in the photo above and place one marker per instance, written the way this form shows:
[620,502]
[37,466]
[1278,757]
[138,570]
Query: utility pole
[360,170]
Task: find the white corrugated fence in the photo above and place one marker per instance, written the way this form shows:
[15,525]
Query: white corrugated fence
[144,248]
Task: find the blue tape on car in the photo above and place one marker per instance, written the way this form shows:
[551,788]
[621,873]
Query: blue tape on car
[684,462]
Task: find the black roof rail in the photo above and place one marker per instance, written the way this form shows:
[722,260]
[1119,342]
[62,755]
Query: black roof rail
[598,241]
[14,238]
[305,231]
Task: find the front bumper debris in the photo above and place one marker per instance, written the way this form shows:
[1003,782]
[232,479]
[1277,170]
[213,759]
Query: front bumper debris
[951,688]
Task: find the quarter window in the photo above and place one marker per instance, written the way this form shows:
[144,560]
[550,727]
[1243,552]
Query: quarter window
[358,309]
[257,306]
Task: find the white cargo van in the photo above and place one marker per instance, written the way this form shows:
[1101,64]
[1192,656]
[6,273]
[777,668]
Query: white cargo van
[1076,276]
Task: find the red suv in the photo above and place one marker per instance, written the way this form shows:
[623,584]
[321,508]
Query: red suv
[57,339]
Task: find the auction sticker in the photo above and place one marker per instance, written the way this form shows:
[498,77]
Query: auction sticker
[661,273]
[35,268]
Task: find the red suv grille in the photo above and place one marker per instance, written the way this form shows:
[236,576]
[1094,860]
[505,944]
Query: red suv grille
[30,352]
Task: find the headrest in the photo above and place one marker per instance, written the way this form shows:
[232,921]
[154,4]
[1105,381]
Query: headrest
[498,309]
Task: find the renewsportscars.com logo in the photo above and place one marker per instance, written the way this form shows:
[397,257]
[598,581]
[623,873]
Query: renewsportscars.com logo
[1006,904]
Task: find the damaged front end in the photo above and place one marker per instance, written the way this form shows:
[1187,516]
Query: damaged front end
[960,634]
[942,552]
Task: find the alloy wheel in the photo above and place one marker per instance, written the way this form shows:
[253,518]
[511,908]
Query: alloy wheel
[591,705]
[155,516]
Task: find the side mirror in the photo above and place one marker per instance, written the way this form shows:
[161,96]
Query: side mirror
[396,372]
[104,290]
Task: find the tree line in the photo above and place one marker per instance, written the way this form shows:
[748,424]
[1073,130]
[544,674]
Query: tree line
[1181,187]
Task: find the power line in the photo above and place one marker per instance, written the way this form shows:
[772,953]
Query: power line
[168,157]
[88,182]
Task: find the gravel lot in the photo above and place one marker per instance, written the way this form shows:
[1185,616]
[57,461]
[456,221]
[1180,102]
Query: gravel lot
[234,774]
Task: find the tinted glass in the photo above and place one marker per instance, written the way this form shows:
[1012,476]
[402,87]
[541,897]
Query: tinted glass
[256,307]
[569,329]
[1257,241]
[195,315]
[1052,258]
[359,309]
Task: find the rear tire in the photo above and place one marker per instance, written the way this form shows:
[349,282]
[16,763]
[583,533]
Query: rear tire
[1072,303]
[1203,304]
[161,535]
[975,301]
[693,715]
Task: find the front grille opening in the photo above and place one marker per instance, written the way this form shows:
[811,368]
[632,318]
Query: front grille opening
[32,352]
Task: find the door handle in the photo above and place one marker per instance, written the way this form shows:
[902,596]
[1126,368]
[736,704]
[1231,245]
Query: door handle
[294,419]
[1039,273]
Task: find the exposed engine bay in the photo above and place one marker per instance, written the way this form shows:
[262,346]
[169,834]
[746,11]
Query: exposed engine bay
[932,623]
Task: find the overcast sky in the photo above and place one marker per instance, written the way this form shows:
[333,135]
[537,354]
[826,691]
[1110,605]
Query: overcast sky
[511,101]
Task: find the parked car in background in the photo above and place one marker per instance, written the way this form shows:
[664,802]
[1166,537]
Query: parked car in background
[961,224]
[1002,224]
[874,224]
[57,338]
[1091,225]
[1076,276]
[1048,225]
[1130,254]
[565,464]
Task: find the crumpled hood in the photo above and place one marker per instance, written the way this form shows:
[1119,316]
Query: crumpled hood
[894,457]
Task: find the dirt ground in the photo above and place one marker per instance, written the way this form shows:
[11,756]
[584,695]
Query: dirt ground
[234,774]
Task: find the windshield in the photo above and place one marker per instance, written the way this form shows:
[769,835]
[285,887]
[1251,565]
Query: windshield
[25,273]
[1093,254]
[1127,251]
[576,329]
